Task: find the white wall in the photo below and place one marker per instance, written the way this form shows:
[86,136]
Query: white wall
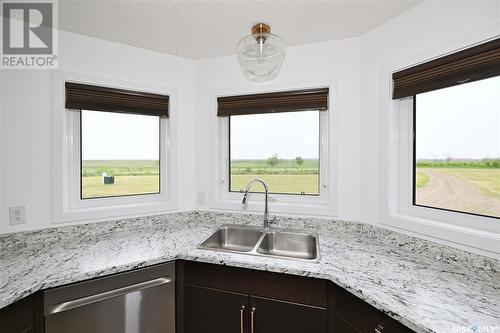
[355,64]
[307,64]
[26,119]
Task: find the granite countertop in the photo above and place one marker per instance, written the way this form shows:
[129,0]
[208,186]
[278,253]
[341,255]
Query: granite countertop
[426,286]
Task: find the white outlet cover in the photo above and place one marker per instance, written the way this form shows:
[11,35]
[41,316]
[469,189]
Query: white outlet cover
[17,215]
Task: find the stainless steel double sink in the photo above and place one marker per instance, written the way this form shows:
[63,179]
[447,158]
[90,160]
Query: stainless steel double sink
[270,243]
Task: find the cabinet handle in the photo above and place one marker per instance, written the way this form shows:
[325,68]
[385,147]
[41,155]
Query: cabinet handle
[252,319]
[242,311]
[378,329]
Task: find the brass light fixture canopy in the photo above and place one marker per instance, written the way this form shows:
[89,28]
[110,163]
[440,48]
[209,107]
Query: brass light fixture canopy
[261,28]
[261,54]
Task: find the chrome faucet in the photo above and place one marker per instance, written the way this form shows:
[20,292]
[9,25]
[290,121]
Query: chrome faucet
[266,193]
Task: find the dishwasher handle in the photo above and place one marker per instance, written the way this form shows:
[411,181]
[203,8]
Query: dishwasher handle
[65,306]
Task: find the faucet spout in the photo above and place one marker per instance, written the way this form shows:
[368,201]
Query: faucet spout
[266,194]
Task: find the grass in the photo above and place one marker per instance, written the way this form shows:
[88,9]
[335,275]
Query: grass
[120,167]
[124,185]
[142,176]
[488,180]
[485,163]
[291,183]
[287,176]
[260,167]
[422,180]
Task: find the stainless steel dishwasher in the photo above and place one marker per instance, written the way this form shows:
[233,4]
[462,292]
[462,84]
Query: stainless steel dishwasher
[139,301]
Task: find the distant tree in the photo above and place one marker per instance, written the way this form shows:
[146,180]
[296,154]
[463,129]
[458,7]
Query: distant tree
[299,160]
[448,158]
[273,160]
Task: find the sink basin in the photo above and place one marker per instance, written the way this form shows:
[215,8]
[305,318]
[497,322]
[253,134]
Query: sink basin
[289,244]
[276,243]
[232,238]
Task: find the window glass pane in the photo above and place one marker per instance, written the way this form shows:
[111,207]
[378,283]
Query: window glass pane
[457,148]
[281,148]
[120,154]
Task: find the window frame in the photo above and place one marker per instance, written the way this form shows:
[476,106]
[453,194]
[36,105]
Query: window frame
[414,172]
[396,207]
[220,198]
[477,234]
[161,127]
[67,205]
[406,181]
[320,153]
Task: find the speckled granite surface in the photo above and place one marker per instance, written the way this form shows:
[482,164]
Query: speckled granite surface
[428,287]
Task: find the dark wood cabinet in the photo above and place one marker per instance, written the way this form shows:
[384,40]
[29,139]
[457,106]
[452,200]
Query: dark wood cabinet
[211,299]
[23,316]
[210,310]
[269,316]
[228,299]
[349,313]
[17,317]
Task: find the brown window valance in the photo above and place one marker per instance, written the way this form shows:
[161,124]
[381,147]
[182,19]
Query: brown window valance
[472,64]
[89,97]
[286,101]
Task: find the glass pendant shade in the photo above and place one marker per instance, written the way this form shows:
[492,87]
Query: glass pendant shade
[261,54]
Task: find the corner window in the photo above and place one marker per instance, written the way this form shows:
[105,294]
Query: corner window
[120,154]
[443,166]
[457,148]
[281,148]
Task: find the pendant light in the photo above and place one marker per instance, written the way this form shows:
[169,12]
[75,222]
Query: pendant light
[261,54]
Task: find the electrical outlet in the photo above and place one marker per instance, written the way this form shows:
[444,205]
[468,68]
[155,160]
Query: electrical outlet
[17,215]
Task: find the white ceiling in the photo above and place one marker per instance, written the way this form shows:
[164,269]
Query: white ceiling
[204,29]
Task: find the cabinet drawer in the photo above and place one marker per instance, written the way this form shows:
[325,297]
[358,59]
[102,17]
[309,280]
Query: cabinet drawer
[361,315]
[278,286]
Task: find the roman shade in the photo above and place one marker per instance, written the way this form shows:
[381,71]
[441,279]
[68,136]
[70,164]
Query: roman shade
[286,101]
[89,97]
[472,64]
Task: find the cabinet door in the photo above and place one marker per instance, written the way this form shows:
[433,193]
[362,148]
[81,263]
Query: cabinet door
[17,317]
[272,316]
[210,310]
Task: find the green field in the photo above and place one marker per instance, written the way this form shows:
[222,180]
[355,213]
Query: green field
[290,183]
[488,180]
[121,167]
[471,190]
[131,177]
[484,174]
[242,167]
[286,176]
[92,187]
[422,179]
[487,163]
